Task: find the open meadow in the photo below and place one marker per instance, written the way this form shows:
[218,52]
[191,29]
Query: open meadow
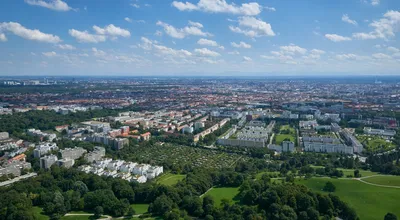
[384,180]
[170,179]
[220,193]
[370,202]
[375,143]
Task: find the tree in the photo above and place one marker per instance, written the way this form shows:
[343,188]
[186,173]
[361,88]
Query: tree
[172,215]
[357,174]
[390,216]
[329,187]
[131,211]
[161,205]
[80,187]
[98,212]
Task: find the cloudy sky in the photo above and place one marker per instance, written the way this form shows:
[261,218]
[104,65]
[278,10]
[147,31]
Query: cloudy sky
[199,37]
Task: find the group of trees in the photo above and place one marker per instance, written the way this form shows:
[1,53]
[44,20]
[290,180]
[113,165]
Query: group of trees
[60,190]
[290,201]
[388,163]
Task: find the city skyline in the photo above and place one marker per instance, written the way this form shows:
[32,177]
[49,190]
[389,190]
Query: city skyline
[199,37]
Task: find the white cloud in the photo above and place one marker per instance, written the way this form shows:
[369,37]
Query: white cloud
[375,2]
[219,6]
[3,37]
[171,30]
[85,37]
[316,51]
[206,52]
[346,18]
[234,52]
[195,24]
[346,56]
[381,56]
[364,36]
[146,44]
[207,42]
[247,59]
[270,8]
[173,52]
[50,54]
[66,47]
[337,38]
[135,5]
[98,53]
[158,33]
[29,34]
[384,28]
[393,49]
[253,27]
[350,57]
[194,28]
[184,6]
[112,31]
[101,34]
[241,45]
[56,5]
[293,49]
[128,20]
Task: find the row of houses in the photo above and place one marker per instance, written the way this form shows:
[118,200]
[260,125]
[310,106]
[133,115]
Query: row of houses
[15,166]
[125,170]
[41,135]
[210,130]
[69,155]
[286,146]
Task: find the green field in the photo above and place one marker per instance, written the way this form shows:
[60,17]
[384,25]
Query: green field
[363,173]
[285,127]
[348,172]
[77,217]
[259,175]
[384,180]
[223,193]
[370,202]
[140,208]
[170,179]
[279,138]
[38,213]
[375,143]
[151,218]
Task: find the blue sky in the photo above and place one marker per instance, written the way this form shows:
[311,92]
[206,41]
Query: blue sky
[199,37]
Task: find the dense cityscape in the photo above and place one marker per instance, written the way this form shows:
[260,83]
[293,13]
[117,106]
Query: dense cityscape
[142,135]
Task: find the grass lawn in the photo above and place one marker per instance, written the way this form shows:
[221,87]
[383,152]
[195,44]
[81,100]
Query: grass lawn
[285,127]
[347,172]
[223,193]
[79,212]
[384,180]
[140,208]
[363,173]
[151,218]
[77,217]
[279,138]
[370,202]
[375,143]
[170,179]
[38,213]
[259,175]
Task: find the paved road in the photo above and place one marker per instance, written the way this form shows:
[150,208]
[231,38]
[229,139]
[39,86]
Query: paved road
[88,214]
[16,179]
[373,184]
